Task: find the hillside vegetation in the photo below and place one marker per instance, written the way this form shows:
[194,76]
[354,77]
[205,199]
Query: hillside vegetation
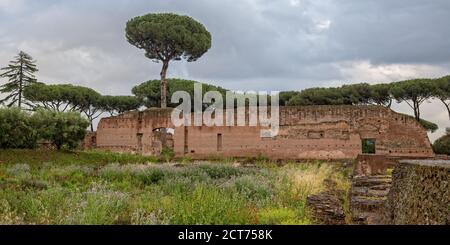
[82,188]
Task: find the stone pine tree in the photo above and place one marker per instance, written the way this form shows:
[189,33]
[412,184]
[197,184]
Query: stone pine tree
[20,74]
[166,37]
[414,93]
[443,92]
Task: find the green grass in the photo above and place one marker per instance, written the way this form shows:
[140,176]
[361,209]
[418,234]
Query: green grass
[48,187]
[66,157]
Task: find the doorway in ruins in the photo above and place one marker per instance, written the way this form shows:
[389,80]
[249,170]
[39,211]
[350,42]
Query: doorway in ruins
[162,139]
[368,146]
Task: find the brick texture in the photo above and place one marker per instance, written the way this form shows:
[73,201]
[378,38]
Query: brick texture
[311,132]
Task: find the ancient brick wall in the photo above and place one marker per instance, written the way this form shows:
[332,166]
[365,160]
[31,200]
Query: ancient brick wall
[312,132]
[420,193]
[90,141]
[133,132]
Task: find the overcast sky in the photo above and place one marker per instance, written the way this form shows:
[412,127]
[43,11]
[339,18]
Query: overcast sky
[257,44]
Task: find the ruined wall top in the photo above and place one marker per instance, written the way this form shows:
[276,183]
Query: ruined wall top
[292,115]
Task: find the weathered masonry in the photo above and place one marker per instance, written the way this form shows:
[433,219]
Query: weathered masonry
[311,132]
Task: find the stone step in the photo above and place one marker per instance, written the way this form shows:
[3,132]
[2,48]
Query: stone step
[364,203]
[369,192]
[371,181]
[367,218]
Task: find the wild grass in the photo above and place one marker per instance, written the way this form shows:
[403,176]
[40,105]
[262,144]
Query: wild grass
[66,157]
[144,194]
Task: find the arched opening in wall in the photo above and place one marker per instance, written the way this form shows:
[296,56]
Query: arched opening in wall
[162,138]
[368,146]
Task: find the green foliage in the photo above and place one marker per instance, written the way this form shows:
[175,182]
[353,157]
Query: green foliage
[278,216]
[429,126]
[59,97]
[151,176]
[414,93]
[19,171]
[318,96]
[34,157]
[167,154]
[221,171]
[20,75]
[120,104]
[442,145]
[16,129]
[380,95]
[254,188]
[442,91]
[166,36]
[356,94]
[80,191]
[66,97]
[62,129]
[149,92]
[286,96]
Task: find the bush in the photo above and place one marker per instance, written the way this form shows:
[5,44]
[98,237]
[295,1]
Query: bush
[151,175]
[16,130]
[21,130]
[442,145]
[62,129]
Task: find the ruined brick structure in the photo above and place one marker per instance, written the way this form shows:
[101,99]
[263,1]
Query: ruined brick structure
[311,132]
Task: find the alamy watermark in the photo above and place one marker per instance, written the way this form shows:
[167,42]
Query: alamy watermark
[242,109]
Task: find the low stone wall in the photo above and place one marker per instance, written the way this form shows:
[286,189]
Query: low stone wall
[420,193]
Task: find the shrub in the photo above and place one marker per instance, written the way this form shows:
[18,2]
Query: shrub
[442,145]
[20,130]
[62,129]
[151,175]
[16,129]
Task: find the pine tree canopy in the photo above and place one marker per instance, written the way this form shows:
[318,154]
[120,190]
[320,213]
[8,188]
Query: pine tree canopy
[20,74]
[166,37]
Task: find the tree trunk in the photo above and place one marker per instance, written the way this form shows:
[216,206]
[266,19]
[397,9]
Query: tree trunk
[92,127]
[416,110]
[20,96]
[164,84]
[20,84]
[447,106]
